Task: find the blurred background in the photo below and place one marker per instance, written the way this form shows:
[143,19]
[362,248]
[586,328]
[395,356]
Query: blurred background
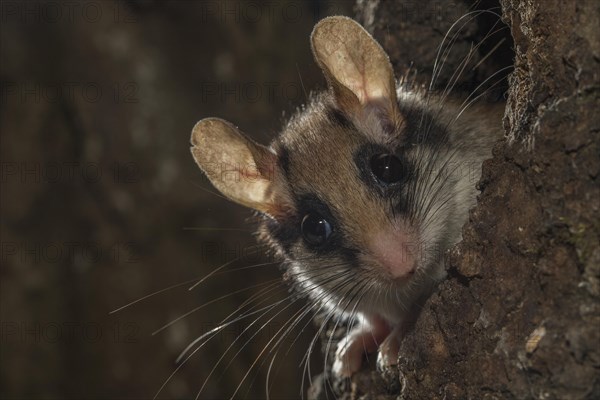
[103,205]
[106,220]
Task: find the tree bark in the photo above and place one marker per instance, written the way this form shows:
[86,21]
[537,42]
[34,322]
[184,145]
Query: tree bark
[519,315]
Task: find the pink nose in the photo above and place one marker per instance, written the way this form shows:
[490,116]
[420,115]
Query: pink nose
[395,251]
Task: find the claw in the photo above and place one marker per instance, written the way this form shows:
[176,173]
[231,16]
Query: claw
[388,351]
[348,358]
[363,339]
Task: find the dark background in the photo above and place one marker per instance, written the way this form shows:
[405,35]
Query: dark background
[102,203]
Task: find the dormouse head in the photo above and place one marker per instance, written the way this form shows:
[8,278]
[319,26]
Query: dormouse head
[339,189]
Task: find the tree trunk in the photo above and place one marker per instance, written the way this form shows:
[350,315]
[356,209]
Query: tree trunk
[519,315]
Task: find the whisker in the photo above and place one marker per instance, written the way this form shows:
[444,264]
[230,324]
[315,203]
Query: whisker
[152,294]
[262,351]
[174,286]
[245,344]
[359,286]
[214,272]
[199,347]
[193,228]
[227,321]
[306,369]
[208,190]
[301,82]
[482,94]
[436,67]
[317,302]
[216,330]
[490,52]
[211,302]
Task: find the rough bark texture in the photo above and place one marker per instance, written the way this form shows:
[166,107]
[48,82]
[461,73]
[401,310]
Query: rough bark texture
[529,261]
[519,315]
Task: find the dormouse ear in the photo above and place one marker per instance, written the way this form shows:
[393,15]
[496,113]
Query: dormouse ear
[241,169]
[357,69]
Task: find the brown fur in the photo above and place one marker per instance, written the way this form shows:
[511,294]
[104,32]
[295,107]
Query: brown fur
[441,140]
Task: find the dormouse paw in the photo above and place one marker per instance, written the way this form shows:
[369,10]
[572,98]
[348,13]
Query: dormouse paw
[363,339]
[387,356]
[348,357]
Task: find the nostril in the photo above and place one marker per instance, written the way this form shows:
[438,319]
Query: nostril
[391,250]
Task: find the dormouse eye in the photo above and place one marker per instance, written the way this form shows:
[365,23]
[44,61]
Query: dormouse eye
[386,168]
[315,229]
